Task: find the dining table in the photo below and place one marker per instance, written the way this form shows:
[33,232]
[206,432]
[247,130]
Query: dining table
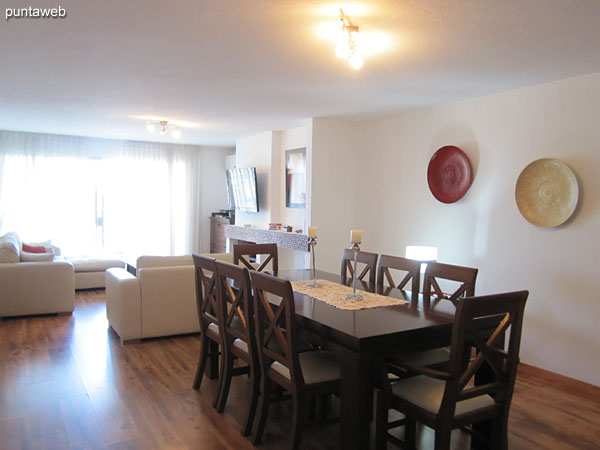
[362,337]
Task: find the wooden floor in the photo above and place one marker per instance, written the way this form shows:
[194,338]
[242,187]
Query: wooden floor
[66,383]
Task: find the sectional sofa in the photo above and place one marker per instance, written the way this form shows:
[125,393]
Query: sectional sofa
[33,286]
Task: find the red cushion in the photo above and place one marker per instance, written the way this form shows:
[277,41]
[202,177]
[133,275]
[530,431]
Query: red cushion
[34,248]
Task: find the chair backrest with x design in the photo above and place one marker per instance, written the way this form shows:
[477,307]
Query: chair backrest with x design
[206,290]
[411,268]
[436,272]
[367,260]
[242,252]
[235,302]
[490,350]
[276,338]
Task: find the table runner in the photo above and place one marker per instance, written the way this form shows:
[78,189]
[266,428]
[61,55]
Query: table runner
[334,294]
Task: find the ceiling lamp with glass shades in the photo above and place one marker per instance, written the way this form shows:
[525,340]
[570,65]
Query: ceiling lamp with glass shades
[347,46]
[163,126]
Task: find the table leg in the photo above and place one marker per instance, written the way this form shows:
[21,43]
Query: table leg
[212,368]
[356,400]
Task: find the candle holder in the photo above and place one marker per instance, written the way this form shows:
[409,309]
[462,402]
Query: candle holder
[354,295]
[312,242]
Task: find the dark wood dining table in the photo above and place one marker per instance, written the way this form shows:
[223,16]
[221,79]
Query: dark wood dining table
[362,337]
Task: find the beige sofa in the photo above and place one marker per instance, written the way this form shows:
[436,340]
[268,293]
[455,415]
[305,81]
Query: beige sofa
[160,300]
[27,288]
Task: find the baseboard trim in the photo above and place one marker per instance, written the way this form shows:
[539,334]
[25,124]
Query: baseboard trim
[563,382]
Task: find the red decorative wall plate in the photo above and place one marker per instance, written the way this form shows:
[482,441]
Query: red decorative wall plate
[449,174]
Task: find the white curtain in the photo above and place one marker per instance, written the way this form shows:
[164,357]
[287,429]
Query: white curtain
[96,196]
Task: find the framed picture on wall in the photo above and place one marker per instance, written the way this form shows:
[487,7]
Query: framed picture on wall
[295,178]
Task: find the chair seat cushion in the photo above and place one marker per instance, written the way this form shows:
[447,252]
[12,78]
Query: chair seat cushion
[428,357]
[213,327]
[317,367]
[427,393]
[235,323]
[274,345]
[241,345]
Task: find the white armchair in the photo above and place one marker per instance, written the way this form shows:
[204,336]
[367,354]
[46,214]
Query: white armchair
[160,300]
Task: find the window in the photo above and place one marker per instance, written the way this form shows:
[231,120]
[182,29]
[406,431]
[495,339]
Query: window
[138,200]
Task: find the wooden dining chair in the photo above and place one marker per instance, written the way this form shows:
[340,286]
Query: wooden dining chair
[410,267]
[367,263]
[208,316]
[243,252]
[437,272]
[304,375]
[444,400]
[463,279]
[234,294]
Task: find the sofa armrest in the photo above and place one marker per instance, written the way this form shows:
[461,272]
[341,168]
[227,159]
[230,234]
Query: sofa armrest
[123,303]
[36,288]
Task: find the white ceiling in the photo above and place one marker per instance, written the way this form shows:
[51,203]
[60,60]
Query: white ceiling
[239,67]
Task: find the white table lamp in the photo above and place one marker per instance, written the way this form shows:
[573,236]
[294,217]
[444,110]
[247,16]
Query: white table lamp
[422,253]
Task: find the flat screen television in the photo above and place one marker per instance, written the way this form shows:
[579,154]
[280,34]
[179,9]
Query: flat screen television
[242,190]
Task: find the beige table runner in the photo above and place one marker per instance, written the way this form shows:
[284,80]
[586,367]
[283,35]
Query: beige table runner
[334,294]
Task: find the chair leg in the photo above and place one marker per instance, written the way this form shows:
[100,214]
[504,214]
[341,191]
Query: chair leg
[255,380]
[224,381]
[442,438]
[201,362]
[312,408]
[298,410]
[410,433]
[265,399]
[500,433]
[381,420]
[222,363]
[322,406]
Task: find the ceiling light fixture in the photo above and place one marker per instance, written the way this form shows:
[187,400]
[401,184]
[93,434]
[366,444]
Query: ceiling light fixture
[347,47]
[164,126]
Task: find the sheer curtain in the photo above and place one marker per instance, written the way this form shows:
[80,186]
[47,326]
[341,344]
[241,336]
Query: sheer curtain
[95,196]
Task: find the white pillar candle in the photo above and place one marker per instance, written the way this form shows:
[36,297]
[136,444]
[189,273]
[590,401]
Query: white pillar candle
[356,236]
[312,232]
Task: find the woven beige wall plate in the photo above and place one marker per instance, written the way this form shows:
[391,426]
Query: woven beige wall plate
[547,192]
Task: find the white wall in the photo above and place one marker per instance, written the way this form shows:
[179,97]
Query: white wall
[256,151]
[230,161]
[501,134]
[213,190]
[335,186]
[266,152]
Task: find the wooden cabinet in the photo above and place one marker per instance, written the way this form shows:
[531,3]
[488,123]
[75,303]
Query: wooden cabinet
[217,233]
